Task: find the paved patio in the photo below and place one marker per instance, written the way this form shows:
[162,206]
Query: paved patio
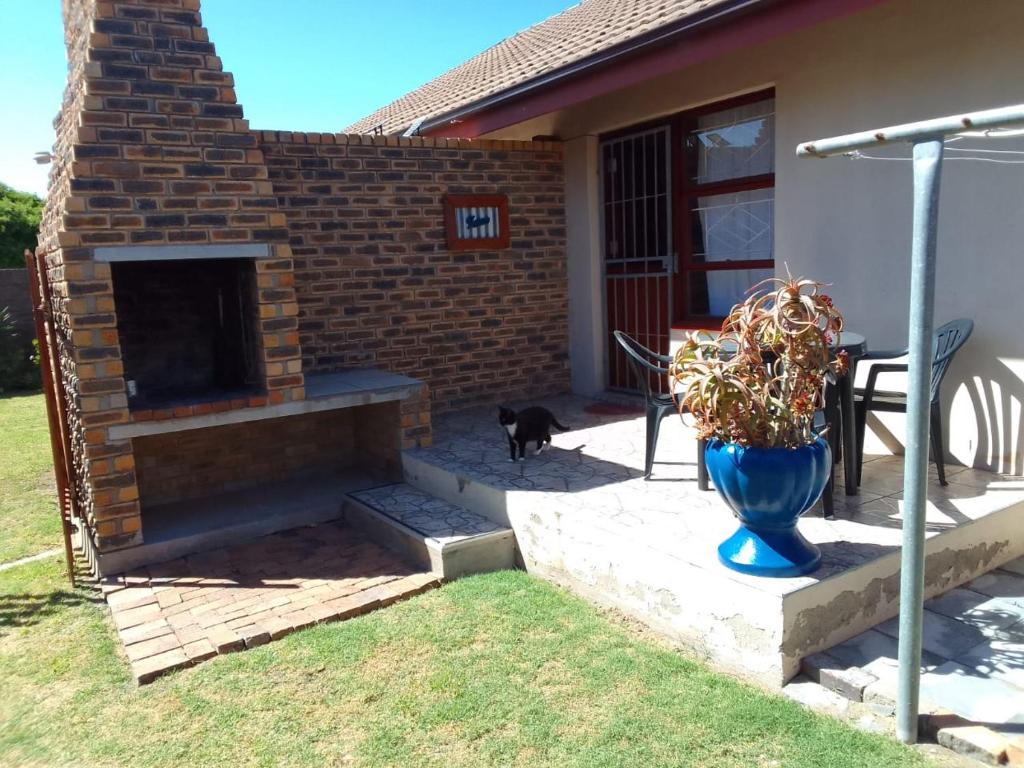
[597,469]
[185,611]
[585,517]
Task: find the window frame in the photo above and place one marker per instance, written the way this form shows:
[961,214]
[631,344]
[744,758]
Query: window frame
[685,193]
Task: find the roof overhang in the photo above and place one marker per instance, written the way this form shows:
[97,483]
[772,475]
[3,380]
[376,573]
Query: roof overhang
[720,29]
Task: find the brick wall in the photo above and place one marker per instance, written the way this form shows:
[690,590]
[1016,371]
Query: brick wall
[187,465]
[377,286]
[152,149]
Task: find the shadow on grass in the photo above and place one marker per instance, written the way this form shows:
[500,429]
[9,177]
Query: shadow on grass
[26,610]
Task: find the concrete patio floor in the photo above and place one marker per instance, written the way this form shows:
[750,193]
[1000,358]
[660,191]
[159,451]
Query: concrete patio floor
[584,516]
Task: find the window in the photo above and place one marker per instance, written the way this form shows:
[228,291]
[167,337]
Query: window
[724,204]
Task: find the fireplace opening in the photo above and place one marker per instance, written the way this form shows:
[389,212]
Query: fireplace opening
[187,330]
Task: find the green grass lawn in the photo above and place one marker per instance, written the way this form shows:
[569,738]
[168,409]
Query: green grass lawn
[495,670]
[28,500]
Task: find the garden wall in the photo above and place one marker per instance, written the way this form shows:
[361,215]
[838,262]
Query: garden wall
[376,285]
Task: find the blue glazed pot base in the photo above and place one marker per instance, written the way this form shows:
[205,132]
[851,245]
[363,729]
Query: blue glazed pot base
[769,553]
[768,489]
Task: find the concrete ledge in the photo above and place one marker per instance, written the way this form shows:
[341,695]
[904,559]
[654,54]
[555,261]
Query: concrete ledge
[324,392]
[446,556]
[112,254]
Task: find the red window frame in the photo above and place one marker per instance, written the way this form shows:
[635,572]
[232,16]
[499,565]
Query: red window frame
[684,193]
[684,196]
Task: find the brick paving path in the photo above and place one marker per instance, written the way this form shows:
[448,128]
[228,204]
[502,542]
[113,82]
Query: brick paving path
[185,611]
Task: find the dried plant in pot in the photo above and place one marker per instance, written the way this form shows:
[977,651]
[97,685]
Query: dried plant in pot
[753,391]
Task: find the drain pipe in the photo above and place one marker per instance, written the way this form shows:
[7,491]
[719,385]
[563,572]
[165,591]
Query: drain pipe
[927,139]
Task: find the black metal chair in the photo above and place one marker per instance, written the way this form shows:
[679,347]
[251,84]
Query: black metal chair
[643,363]
[947,340]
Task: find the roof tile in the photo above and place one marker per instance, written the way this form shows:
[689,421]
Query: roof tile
[583,30]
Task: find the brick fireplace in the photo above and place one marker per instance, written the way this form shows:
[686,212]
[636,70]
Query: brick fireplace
[187,331]
[249,323]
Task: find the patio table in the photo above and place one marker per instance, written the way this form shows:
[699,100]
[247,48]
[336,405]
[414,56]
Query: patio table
[856,347]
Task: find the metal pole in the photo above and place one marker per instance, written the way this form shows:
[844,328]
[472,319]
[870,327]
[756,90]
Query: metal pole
[990,119]
[927,137]
[927,168]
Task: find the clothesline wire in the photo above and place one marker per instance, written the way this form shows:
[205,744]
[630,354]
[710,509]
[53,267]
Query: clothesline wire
[858,155]
[989,134]
[987,151]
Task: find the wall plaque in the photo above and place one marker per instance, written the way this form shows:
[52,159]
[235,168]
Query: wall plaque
[476,222]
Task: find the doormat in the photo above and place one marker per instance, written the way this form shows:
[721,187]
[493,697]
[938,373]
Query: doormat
[603,408]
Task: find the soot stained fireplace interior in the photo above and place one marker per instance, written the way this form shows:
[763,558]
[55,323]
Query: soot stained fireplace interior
[187,330]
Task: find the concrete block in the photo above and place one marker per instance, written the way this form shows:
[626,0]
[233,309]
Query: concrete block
[436,534]
[832,674]
[975,741]
[1015,751]
[805,691]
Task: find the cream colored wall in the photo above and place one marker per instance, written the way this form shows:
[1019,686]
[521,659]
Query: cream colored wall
[848,221]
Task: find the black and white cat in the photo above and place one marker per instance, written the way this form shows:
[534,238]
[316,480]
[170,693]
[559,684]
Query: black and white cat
[527,426]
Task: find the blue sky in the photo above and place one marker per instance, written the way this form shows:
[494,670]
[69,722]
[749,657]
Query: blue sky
[303,65]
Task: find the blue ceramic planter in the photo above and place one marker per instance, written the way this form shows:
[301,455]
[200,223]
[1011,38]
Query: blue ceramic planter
[768,489]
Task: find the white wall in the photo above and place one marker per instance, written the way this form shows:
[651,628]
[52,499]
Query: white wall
[586,315]
[847,222]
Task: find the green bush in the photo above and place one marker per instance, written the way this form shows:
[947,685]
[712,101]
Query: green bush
[20,213]
[19,357]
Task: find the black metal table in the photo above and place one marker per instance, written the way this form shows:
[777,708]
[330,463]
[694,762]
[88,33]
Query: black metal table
[855,346]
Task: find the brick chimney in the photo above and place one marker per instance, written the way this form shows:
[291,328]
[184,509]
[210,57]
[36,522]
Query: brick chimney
[152,155]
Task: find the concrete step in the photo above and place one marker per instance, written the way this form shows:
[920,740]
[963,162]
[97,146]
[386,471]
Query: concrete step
[449,539]
[972,686]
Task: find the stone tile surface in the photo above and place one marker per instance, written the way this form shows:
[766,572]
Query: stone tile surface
[973,662]
[944,636]
[595,471]
[977,697]
[1001,583]
[426,514]
[989,614]
[175,614]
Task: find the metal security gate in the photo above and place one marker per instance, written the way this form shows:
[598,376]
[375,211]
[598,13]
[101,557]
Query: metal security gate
[638,253]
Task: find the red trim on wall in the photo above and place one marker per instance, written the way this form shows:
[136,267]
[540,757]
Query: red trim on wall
[704,43]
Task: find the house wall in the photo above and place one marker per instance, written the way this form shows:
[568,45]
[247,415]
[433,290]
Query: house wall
[377,286]
[847,222]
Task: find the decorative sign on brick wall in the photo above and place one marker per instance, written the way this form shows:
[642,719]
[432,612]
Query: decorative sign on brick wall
[476,222]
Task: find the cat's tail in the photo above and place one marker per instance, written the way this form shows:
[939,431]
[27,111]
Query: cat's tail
[561,427]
